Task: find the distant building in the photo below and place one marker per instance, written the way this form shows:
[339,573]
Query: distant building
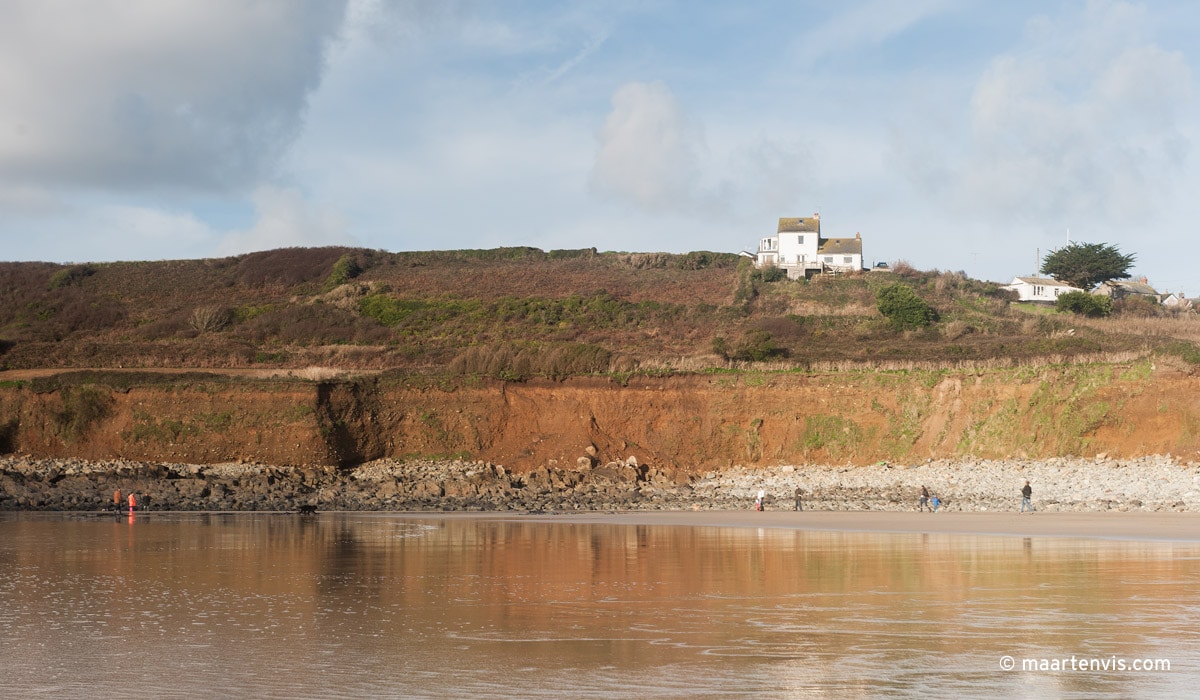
[1178,301]
[1120,289]
[1039,288]
[798,248]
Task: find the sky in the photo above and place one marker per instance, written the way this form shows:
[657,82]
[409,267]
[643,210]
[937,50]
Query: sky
[958,135]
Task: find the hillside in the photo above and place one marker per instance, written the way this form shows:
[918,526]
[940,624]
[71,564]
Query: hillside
[519,312]
[531,359]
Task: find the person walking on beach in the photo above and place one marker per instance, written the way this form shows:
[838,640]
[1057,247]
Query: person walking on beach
[758,502]
[924,502]
[1026,494]
[116,504]
[799,493]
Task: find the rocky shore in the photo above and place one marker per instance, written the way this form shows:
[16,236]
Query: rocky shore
[1153,483]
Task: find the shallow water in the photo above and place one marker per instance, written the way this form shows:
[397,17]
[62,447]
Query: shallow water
[369,605]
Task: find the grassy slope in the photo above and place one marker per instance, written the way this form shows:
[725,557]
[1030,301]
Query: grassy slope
[518,312]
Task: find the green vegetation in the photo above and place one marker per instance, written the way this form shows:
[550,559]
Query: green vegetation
[345,269]
[71,275]
[901,305]
[1084,304]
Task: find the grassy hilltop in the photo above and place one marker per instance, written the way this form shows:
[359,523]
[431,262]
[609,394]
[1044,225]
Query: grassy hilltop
[515,313]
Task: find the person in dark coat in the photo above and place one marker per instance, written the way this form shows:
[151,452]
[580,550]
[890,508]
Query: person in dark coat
[1026,495]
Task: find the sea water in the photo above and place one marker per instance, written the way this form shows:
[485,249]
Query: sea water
[376,605]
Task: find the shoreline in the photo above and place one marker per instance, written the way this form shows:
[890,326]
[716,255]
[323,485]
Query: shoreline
[1152,484]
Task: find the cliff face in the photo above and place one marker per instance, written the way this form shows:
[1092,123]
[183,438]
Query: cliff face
[697,422]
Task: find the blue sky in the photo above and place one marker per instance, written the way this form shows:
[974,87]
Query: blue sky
[953,134]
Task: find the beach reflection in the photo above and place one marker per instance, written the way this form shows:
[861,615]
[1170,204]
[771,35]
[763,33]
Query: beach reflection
[355,605]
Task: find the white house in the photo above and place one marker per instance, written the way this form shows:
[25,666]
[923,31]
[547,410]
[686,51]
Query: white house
[798,248]
[1039,288]
[1178,301]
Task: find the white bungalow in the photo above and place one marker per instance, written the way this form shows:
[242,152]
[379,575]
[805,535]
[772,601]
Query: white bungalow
[1039,288]
[798,248]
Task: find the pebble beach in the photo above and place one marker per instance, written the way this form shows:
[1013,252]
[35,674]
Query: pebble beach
[1158,483]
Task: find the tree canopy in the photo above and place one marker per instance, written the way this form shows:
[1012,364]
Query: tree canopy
[1086,265]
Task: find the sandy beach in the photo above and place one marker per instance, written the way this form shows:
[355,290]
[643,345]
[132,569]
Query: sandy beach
[1166,527]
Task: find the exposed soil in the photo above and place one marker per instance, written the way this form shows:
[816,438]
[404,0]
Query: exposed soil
[692,423]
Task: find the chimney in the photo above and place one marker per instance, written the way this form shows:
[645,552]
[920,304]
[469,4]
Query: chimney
[858,235]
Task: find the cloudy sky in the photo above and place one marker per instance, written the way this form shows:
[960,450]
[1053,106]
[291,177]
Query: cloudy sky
[954,134]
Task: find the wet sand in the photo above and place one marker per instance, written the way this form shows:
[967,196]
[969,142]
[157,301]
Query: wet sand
[1177,527]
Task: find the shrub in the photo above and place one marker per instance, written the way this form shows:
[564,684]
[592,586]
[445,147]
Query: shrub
[210,318]
[345,269]
[770,274]
[753,346]
[901,305]
[71,275]
[1084,304]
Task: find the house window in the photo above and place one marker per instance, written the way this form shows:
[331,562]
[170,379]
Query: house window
[829,259]
[848,260]
[1038,291]
[800,239]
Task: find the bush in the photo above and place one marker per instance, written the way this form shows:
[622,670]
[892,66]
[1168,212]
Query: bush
[71,275]
[901,305]
[210,318]
[754,346]
[770,274]
[345,269]
[1084,304]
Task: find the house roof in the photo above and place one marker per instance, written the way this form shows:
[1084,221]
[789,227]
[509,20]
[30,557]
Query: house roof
[1133,287]
[811,224]
[1042,281]
[841,246]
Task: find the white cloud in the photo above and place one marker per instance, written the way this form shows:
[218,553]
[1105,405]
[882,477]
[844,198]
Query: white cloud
[1081,123]
[125,94]
[285,219]
[649,150]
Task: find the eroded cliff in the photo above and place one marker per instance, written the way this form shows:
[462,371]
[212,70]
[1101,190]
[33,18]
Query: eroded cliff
[693,422]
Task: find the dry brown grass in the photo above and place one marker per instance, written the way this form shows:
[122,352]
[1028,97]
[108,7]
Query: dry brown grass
[1177,326]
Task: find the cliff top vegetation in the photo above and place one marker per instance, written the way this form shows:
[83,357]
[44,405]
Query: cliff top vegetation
[521,312]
